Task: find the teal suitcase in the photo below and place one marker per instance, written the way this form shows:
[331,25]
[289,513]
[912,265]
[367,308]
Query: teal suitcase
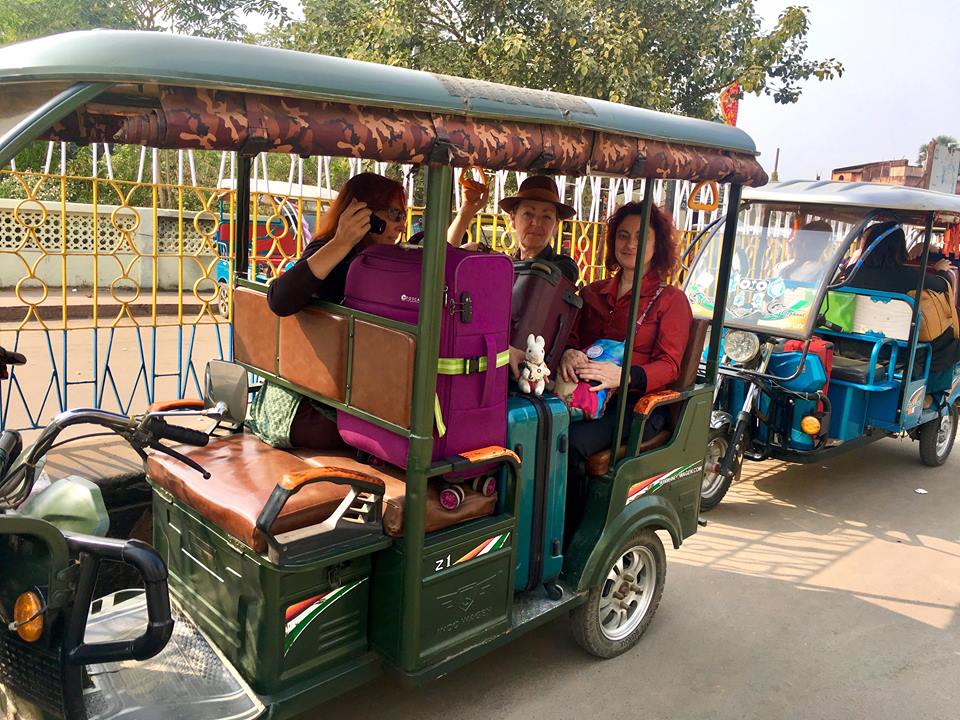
[538,431]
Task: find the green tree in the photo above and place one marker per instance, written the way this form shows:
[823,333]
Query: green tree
[26,19]
[948,140]
[674,55]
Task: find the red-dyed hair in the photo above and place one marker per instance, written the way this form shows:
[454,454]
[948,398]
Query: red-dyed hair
[375,190]
[664,258]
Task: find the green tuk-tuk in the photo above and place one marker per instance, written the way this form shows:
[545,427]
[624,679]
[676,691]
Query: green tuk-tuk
[237,615]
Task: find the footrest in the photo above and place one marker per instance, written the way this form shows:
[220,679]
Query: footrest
[188,680]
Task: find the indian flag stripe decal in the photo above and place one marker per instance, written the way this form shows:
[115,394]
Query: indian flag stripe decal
[487,546]
[301,614]
[657,481]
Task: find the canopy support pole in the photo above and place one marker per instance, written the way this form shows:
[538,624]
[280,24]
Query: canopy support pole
[915,321]
[723,282]
[241,223]
[645,206]
[439,182]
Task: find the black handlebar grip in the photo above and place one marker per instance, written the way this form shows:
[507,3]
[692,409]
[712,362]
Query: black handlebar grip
[176,433]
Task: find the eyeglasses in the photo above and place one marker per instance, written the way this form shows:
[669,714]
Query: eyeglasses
[394,214]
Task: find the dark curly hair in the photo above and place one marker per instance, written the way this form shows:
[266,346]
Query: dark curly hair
[664,258]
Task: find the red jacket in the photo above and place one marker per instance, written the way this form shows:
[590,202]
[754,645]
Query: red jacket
[661,338]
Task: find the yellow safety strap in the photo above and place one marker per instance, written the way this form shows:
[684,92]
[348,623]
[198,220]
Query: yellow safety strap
[466,366]
[438,416]
[461,366]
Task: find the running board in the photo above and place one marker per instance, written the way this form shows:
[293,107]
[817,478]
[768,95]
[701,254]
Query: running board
[188,680]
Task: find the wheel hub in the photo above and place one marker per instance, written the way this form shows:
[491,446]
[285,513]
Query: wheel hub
[627,593]
[944,433]
[716,449]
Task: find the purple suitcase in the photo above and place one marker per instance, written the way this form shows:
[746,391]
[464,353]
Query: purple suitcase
[384,280]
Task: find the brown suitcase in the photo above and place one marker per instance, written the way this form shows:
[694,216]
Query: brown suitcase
[545,302]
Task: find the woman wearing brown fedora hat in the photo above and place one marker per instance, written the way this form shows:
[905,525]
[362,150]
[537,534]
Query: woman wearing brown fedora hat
[535,211]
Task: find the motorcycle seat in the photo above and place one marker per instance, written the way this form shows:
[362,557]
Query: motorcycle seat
[855,370]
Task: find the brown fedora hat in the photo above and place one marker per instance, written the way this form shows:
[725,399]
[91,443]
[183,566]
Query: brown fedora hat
[539,188]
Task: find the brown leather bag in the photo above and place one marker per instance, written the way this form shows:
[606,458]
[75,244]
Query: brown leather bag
[544,302]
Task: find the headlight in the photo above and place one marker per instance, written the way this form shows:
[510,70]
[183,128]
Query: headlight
[741,346]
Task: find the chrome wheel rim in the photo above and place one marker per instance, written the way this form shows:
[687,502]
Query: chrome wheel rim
[627,593]
[712,479]
[944,434]
[223,300]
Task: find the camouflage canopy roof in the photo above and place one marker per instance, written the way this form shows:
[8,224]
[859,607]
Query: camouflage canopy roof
[182,92]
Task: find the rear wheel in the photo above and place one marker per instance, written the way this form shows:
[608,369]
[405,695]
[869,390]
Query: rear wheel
[618,612]
[715,485]
[936,438]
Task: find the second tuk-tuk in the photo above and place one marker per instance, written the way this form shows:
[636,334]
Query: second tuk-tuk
[275,579]
[826,347]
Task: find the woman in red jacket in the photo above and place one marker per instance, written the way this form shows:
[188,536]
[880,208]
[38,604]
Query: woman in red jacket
[663,326]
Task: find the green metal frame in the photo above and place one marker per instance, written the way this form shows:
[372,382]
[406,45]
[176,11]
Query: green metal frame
[404,591]
[439,187]
[57,108]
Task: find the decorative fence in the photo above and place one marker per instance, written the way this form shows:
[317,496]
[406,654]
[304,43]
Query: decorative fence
[121,300]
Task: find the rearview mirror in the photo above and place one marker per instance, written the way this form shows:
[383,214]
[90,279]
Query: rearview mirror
[226,383]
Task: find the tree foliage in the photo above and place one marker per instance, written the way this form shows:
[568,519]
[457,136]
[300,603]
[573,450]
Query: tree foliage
[948,140]
[673,55]
[26,19]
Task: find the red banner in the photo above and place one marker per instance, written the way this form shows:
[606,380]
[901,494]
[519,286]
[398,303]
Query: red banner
[730,103]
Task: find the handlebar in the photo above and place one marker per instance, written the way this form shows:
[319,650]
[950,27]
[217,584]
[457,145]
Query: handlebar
[11,358]
[141,432]
[175,433]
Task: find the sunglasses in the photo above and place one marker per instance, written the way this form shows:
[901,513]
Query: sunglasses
[394,214]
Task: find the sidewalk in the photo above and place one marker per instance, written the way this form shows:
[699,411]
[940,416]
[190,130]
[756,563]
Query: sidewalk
[80,304]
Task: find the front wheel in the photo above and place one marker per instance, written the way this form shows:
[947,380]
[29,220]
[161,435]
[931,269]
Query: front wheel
[223,300]
[936,438]
[715,485]
[618,611]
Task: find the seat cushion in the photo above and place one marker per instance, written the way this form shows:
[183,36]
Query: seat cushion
[599,463]
[855,370]
[244,470]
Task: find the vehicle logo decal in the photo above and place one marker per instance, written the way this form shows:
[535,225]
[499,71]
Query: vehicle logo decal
[656,482]
[914,403]
[301,614]
[487,546]
[956,384]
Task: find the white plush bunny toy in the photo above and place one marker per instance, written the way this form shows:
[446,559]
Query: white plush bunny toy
[535,372]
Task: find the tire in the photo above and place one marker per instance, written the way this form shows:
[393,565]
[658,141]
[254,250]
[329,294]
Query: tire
[223,300]
[715,487]
[638,571]
[937,437]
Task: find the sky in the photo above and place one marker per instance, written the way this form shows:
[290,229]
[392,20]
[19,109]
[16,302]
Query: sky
[900,85]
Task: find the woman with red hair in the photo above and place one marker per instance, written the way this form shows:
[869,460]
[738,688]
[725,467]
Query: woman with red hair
[663,325]
[367,203]
[344,230]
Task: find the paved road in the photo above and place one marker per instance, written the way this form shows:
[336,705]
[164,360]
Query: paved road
[827,591]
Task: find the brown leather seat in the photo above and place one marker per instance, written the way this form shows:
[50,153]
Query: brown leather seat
[244,471]
[599,462]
